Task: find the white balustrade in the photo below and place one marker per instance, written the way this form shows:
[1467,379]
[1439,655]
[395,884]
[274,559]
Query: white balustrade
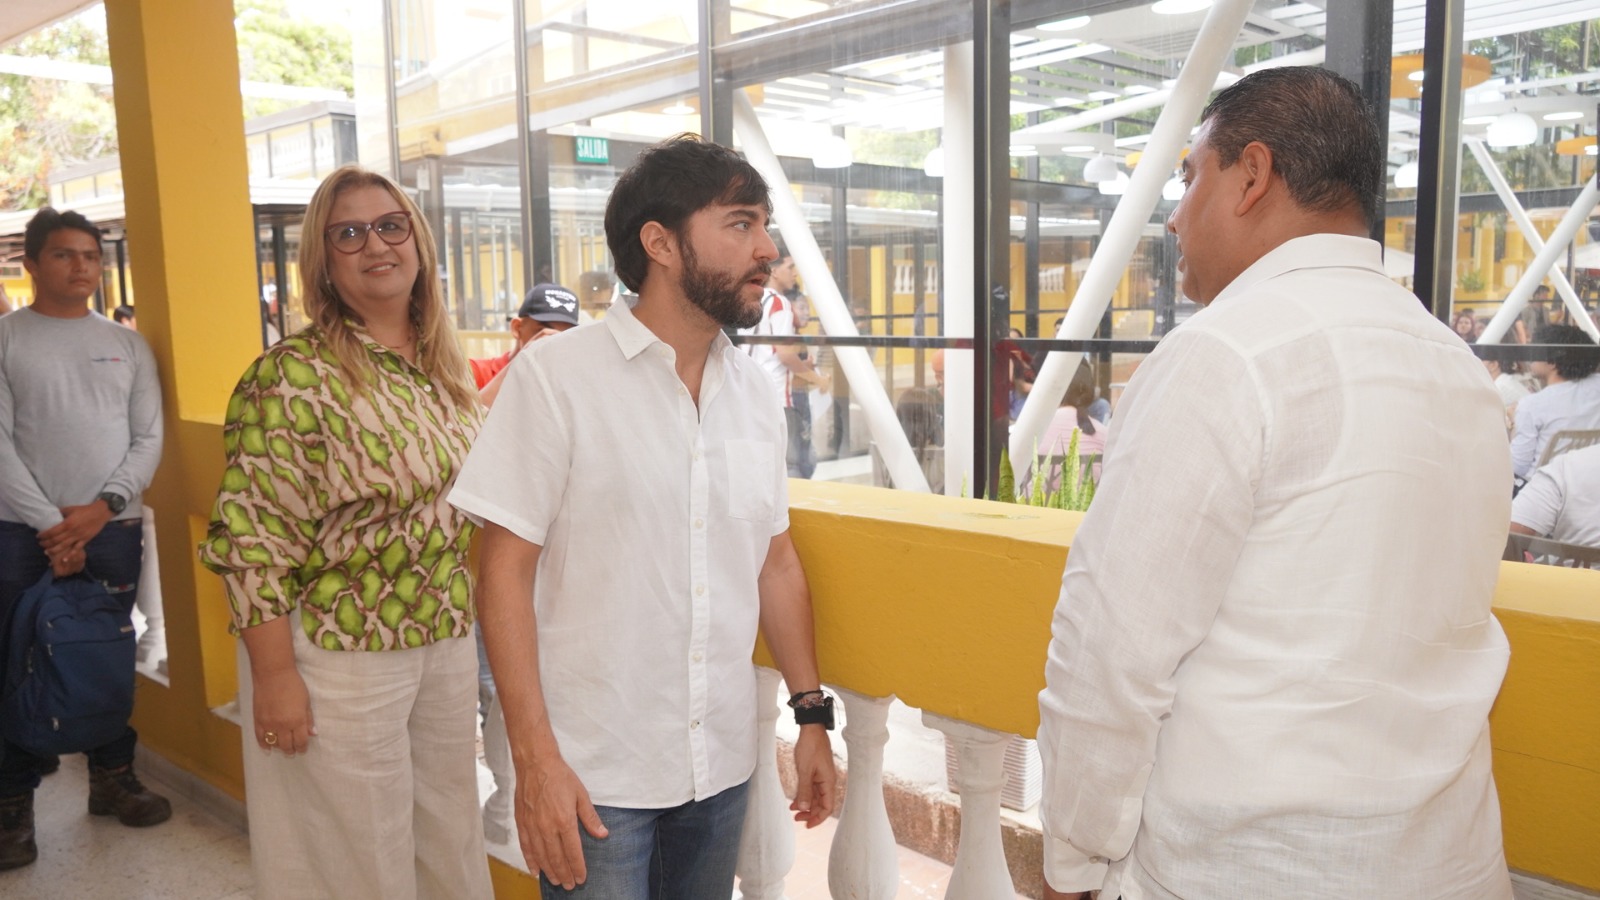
[499,826]
[980,871]
[863,863]
[766,850]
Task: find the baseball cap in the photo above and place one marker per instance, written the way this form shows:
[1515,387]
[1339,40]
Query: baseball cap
[550,303]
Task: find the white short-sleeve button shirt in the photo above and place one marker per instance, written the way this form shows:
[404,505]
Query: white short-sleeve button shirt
[654,517]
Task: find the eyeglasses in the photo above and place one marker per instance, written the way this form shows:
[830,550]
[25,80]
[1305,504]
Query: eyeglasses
[350,237]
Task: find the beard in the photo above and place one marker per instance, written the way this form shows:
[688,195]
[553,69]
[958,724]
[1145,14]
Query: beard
[717,295]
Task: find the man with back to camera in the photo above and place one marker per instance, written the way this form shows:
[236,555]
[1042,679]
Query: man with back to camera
[1570,399]
[647,517]
[80,437]
[1562,500]
[1273,657]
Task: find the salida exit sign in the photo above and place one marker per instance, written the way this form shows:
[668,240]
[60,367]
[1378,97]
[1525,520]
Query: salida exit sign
[593,149]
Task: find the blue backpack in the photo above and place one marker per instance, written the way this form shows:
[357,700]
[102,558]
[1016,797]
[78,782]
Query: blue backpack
[68,679]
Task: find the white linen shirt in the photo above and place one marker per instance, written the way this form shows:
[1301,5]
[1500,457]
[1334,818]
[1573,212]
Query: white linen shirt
[654,518]
[1562,500]
[1273,657]
[1563,406]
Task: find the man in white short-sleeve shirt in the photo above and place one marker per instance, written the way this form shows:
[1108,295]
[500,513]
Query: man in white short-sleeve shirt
[1562,500]
[1273,657]
[631,481]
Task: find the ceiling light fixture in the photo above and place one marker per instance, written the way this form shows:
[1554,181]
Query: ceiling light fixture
[679,109]
[1478,120]
[1178,7]
[1174,189]
[933,163]
[1513,129]
[1077,148]
[1024,150]
[1116,186]
[1071,24]
[1407,175]
[1564,116]
[1101,169]
[832,153]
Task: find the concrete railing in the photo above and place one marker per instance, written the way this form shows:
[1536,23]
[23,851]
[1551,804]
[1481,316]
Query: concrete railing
[946,604]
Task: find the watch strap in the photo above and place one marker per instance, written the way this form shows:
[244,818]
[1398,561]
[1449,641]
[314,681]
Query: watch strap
[813,708]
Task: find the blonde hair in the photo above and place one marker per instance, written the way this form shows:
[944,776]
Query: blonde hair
[438,354]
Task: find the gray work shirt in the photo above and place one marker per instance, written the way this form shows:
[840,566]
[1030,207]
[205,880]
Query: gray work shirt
[80,413]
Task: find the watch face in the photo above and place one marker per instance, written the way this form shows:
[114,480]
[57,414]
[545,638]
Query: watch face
[114,502]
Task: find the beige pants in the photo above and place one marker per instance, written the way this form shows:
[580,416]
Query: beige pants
[384,803]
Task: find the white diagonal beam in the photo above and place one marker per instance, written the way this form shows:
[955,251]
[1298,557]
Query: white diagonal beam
[1566,230]
[1575,310]
[1213,47]
[827,303]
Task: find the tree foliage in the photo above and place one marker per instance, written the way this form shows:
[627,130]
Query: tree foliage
[47,124]
[277,48]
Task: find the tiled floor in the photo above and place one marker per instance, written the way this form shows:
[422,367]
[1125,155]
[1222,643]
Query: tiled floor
[921,878]
[201,856]
[193,856]
[198,856]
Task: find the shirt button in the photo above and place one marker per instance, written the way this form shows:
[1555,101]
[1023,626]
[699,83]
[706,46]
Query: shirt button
[699,590]
[1097,860]
[699,523]
[428,388]
[699,656]
[695,725]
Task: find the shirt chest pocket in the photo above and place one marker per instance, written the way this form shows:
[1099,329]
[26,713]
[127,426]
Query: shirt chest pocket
[752,479]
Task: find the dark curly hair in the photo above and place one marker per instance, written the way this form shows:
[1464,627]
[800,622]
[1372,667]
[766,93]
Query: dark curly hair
[1571,366]
[668,183]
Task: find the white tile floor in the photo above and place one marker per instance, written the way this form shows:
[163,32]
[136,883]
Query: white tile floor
[194,855]
[198,855]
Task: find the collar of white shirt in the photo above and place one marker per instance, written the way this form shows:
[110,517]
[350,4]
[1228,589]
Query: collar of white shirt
[633,337]
[1314,251]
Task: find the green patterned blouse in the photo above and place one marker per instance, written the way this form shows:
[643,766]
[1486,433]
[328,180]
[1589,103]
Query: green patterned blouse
[334,501]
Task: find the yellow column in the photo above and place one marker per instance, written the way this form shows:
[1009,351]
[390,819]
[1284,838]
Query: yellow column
[180,127]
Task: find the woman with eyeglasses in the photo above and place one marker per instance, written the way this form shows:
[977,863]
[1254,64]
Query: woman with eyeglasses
[346,570]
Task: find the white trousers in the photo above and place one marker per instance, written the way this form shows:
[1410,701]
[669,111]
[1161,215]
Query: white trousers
[384,803]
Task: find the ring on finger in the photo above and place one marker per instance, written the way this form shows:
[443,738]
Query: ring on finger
[270,738]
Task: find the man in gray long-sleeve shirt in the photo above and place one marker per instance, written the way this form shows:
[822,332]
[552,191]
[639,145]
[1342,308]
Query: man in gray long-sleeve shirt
[80,436]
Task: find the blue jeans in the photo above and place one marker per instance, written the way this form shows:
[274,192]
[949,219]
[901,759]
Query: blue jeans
[114,558]
[685,852]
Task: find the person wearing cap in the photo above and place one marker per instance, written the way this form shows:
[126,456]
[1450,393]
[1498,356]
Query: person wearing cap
[549,309]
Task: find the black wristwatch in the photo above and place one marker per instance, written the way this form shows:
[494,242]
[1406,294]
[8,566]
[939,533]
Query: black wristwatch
[114,502]
[812,708]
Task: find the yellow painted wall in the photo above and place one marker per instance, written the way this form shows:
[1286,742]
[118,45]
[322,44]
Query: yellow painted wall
[189,224]
[1546,722]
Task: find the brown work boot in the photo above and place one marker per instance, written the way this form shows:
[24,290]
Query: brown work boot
[117,792]
[17,847]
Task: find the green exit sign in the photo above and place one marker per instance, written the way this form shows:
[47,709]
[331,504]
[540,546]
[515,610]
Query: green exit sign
[593,149]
